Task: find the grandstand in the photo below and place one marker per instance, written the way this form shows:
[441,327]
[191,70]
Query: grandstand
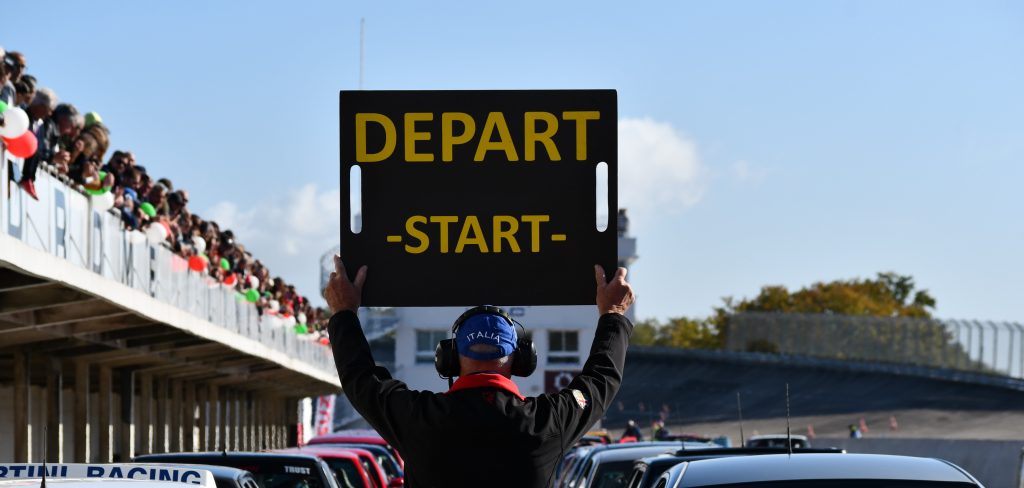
[122,340]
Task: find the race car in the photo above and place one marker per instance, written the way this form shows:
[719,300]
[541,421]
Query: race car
[120,475]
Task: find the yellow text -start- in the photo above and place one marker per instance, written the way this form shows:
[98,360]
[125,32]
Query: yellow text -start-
[434,233]
[459,128]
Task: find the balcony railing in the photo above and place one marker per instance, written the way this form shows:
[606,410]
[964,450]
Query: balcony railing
[65,224]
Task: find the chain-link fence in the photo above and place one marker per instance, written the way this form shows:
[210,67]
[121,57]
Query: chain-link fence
[968,345]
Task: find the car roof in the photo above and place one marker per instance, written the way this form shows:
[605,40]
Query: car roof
[357,435]
[333,453]
[781,467]
[629,454]
[218,471]
[212,456]
[776,436]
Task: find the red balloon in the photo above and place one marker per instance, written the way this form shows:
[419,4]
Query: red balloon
[22,146]
[197,264]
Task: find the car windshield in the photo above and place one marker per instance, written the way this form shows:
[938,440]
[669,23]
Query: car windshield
[846,484]
[613,475]
[347,473]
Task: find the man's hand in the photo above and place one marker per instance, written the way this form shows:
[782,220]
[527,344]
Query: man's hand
[615,296]
[342,294]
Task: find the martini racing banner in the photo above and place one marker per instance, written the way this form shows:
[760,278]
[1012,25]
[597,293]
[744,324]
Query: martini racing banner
[475,197]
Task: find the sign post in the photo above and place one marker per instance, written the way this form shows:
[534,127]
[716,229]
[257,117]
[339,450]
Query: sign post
[474,197]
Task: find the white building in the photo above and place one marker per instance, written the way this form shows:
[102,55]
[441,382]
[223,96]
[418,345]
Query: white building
[562,334]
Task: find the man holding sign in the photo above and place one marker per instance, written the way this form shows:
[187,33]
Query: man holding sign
[482,431]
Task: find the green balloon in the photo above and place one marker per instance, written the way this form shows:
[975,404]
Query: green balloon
[3,106]
[301,329]
[224,264]
[252,295]
[148,209]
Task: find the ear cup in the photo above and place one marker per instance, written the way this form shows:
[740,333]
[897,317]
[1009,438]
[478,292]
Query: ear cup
[524,363]
[446,359]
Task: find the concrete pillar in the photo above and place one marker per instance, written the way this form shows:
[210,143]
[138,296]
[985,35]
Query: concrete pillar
[103,429]
[250,401]
[160,425]
[124,449]
[81,412]
[21,407]
[216,419]
[188,418]
[204,418]
[54,409]
[175,433]
[243,421]
[143,442]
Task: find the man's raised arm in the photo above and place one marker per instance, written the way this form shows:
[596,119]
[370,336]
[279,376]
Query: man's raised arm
[590,393]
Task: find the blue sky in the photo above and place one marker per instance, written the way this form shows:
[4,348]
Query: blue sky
[772,142]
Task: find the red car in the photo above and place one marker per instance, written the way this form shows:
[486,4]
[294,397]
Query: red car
[357,436]
[347,466]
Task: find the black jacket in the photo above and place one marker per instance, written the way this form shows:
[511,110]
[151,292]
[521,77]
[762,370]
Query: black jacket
[482,432]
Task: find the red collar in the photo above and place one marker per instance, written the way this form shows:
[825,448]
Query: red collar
[486,380]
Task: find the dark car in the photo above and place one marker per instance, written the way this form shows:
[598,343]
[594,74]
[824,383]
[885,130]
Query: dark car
[647,470]
[818,470]
[383,456]
[584,467]
[270,470]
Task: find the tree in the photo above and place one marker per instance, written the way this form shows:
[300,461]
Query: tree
[887,295]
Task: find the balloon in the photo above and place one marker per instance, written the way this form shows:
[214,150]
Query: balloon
[275,305]
[289,321]
[254,282]
[197,264]
[198,243]
[148,209]
[224,264]
[3,106]
[22,146]
[15,123]
[302,318]
[230,280]
[252,296]
[167,227]
[156,233]
[300,329]
[103,201]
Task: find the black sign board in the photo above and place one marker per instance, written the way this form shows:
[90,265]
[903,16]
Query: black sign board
[474,197]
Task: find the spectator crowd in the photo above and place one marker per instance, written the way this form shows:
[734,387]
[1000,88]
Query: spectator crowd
[74,147]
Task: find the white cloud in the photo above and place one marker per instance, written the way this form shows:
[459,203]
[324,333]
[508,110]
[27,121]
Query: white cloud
[288,231]
[659,169]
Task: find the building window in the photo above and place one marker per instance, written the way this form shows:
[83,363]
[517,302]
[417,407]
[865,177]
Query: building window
[563,347]
[426,343]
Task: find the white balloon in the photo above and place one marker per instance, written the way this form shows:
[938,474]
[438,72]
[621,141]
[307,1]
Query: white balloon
[15,123]
[156,233]
[289,321]
[302,317]
[103,201]
[275,305]
[254,282]
[199,244]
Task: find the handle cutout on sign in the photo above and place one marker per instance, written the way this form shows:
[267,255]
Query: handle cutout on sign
[601,204]
[355,199]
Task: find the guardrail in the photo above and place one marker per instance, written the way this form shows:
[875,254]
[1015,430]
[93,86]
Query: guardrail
[64,223]
[964,345]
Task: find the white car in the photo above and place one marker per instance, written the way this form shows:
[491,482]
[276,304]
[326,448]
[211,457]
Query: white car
[121,475]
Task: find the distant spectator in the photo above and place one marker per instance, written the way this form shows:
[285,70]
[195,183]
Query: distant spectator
[92,143]
[176,203]
[42,124]
[7,91]
[117,166]
[855,432]
[157,197]
[632,431]
[16,62]
[25,90]
[167,183]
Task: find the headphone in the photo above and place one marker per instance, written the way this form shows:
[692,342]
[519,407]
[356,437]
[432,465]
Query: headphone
[446,355]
